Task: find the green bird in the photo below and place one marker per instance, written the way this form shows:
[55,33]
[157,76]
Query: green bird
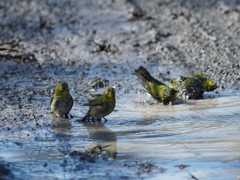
[158,90]
[192,86]
[101,106]
[61,101]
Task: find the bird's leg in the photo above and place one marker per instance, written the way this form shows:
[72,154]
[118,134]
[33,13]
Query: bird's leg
[87,119]
[63,116]
[98,121]
[105,120]
[69,116]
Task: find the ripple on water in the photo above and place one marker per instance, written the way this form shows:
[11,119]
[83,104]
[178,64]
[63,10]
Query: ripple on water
[197,133]
[204,129]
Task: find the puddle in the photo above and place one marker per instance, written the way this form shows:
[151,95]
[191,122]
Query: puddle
[202,134]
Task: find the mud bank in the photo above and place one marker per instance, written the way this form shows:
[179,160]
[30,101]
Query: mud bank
[44,42]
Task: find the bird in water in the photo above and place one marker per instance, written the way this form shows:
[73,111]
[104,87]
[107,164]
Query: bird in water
[61,101]
[158,90]
[101,106]
[193,86]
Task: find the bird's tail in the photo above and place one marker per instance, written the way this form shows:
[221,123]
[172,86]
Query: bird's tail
[144,76]
[86,117]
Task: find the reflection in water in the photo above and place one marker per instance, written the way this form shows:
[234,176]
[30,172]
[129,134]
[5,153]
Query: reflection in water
[101,133]
[203,135]
[61,125]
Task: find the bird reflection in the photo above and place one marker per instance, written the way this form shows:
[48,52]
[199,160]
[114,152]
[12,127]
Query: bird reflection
[100,132]
[61,125]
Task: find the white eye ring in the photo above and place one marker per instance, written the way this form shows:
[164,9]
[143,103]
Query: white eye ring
[61,88]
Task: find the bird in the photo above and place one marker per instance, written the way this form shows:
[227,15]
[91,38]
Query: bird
[61,101]
[158,90]
[193,86]
[101,106]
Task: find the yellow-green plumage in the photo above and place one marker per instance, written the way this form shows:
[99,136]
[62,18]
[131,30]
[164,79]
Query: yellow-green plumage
[101,106]
[192,86]
[61,101]
[158,90]
[209,85]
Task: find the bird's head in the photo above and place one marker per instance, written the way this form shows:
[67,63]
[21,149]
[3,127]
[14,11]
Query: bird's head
[109,92]
[62,89]
[210,85]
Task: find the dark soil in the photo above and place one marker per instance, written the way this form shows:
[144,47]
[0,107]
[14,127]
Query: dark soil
[47,41]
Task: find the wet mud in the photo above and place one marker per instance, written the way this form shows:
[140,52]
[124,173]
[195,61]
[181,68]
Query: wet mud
[94,44]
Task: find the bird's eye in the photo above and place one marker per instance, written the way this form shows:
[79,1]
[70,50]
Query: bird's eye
[61,88]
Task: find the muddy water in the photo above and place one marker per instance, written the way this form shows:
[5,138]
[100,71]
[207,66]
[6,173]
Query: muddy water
[203,134]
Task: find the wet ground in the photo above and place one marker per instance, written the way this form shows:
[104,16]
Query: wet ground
[43,42]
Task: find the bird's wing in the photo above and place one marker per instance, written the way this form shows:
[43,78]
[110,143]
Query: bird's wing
[52,97]
[95,102]
[71,101]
